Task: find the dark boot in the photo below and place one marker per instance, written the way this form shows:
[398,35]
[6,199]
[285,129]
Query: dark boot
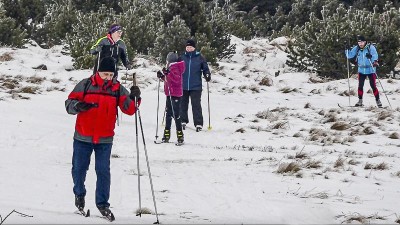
[167,135]
[379,103]
[106,212]
[80,202]
[360,102]
[179,135]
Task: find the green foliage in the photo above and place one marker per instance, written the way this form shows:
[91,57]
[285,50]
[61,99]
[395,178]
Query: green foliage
[10,33]
[170,38]
[59,21]
[141,21]
[318,46]
[27,14]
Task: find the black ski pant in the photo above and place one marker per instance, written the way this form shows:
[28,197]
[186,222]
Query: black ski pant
[195,98]
[173,111]
[372,83]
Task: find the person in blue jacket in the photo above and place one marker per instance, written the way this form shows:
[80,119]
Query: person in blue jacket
[196,66]
[366,58]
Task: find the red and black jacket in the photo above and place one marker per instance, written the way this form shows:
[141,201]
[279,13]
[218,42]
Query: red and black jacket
[97,124]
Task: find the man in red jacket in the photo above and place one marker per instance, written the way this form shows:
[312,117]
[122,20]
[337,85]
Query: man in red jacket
[95,101]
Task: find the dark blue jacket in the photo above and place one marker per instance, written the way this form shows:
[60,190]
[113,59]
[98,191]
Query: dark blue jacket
[196,65]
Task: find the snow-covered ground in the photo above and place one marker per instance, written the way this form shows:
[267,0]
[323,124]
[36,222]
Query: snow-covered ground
[281,152]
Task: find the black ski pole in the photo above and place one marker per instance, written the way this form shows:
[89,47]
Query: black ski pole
[158,106]
[148,166]
[370,62]
[139,212]
[209,115]
[348,71]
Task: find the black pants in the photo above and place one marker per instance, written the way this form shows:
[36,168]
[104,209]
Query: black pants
[173,111]
[372,83]
[195,98]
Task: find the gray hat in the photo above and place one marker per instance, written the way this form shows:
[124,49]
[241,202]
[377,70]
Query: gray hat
[172,57]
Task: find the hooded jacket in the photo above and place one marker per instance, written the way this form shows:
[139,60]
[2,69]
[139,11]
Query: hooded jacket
[364,64]
[196,65]
[97,124]
[174,79]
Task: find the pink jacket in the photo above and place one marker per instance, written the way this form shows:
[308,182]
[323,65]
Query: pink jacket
[174,79]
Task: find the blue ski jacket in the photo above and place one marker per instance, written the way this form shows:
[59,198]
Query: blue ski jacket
[195,65]
[363,63]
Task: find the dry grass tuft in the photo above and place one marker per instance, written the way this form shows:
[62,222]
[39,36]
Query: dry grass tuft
[353,162]
[339,163]
[291,168]
[29,89]
[368,130]
[340,126]
[380,166]
[346,93]
[55,80]
[115,156]
[266,81]
[397,174]
[298,134]
[280,125]
[240,130]
[394,135]
[313,164]
[315,79]
[286,90]
[383,115]
[7,56]
[307,106]
[143,210]
[35,79]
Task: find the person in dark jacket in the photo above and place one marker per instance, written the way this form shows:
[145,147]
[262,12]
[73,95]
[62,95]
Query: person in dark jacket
[95,100]
[172,77]
[196,66]
[111,45]
[367,61]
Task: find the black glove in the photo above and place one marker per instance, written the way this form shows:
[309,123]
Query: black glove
[135,93]
[375,63]
[207,76]
[160,74]
[165,71]
[347,46]
[84,106]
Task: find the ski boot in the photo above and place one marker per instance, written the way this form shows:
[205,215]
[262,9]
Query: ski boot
[379,103]
[359,103]
[179,135]
[80,202]
[199,128]
[167,135]
[106,212]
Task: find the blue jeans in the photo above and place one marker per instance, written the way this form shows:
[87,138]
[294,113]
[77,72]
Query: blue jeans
[80,165]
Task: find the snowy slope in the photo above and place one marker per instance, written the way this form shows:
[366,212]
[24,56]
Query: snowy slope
[229,174]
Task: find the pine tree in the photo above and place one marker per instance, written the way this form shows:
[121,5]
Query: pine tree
[141,20]
[59,21]
[11,34]
[170,38]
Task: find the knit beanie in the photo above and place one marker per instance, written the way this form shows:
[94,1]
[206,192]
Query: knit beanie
[172,57]
[191,42]
[361,38]
[107,64]
[114,28]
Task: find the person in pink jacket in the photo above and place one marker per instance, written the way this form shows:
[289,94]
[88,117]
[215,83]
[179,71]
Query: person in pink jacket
[172,77]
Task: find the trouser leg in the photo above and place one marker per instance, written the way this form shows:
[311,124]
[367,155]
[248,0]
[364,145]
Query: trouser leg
[195,98]
[102,155]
